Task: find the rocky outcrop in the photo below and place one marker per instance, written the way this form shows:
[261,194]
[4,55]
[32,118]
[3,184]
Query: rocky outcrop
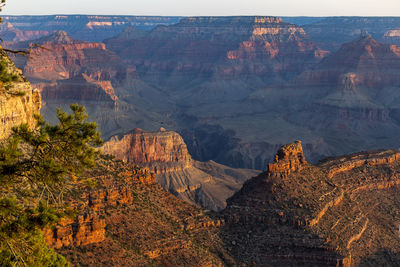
[18,101]
[126,219]
[164,148]
[326,214]
[206,184]
[97,193]
[289,158]
[83,230]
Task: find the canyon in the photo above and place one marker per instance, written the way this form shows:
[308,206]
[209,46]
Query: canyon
[225,71]
[340,212]
[93,28]
[206,184]
[235,91]
[125,218]
[235,88]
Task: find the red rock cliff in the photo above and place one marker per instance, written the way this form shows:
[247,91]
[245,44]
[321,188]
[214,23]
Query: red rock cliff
[205,184]
[65,68]
[106,191]
[164,150]
[289,158]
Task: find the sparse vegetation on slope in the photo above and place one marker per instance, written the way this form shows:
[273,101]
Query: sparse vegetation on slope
[341,212]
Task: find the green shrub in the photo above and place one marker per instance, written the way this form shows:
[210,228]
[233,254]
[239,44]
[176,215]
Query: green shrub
[36,166]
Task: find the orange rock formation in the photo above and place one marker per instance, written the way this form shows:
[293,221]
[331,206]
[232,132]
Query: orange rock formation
[89,227]
[289,158]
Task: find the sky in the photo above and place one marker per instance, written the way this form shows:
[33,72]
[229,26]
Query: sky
[206,7]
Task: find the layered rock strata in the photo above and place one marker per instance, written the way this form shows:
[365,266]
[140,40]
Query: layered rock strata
[370,63]
[289,158]
[126,219]
[92,28]
[330,33]
[207,184]
[97,193]
[65,68]
[149,148]
[218,57]
[339,212]
[18,101]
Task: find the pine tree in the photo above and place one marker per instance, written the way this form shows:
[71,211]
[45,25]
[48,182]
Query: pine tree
[36,168]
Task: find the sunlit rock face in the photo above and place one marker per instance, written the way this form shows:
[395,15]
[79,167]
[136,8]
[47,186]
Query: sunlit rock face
[89,226]
[146,147]
[289,158]
[18,101]
[205,184]
[60,63]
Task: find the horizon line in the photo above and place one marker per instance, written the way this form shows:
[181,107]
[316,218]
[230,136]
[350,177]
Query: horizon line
[187,16]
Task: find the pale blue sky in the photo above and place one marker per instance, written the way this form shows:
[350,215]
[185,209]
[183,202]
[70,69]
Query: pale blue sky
[206,7]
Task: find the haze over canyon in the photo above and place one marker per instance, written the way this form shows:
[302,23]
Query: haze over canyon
[211,110]
[235,88]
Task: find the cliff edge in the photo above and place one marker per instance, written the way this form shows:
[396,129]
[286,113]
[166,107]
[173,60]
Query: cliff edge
[18,101]
[340,212]
[206,184]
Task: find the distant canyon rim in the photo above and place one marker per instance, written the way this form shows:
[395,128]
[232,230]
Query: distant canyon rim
[243,118]
[235,88]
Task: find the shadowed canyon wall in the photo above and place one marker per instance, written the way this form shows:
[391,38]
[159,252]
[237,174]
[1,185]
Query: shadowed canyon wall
[235,88]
